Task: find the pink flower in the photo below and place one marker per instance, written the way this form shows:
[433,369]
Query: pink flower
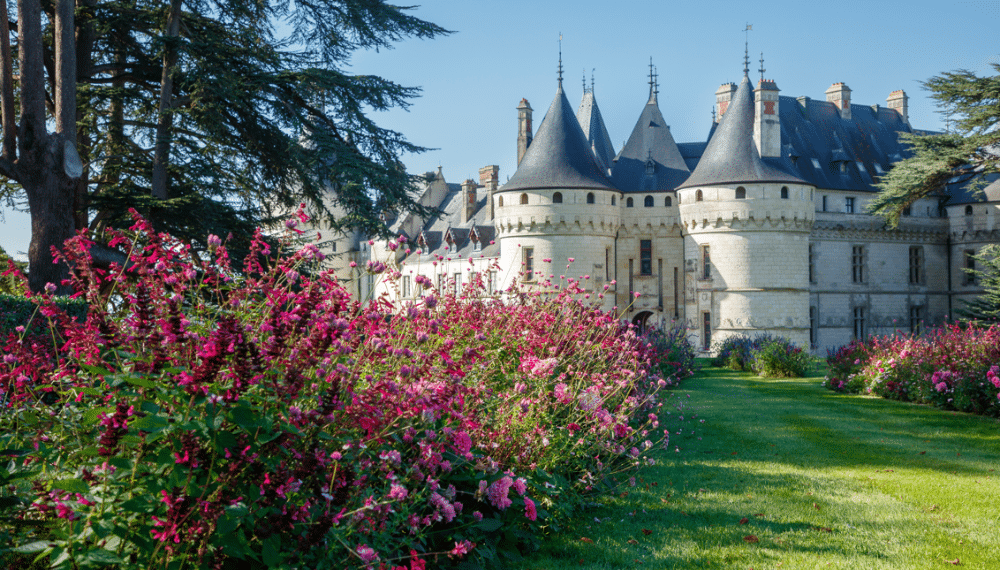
[366,553]
[521,486]
[498,492]
[941,387]
[529,509]
[462,548]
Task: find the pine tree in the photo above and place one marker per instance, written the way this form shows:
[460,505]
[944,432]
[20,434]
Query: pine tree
[986,307]
[956,158]
[199,116]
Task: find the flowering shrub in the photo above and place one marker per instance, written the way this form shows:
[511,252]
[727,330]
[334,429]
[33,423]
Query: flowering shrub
[673,353]
[953,368]
[764,354]
[197,417]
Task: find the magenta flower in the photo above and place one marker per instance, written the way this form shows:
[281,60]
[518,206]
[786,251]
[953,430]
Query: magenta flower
[529,509]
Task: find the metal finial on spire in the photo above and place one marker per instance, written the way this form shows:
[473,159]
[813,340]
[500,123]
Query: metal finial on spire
[560,59]
[746,50]
[713,113]
[762,70]
[656,81]
[592,79]
[651,89]
[584,80]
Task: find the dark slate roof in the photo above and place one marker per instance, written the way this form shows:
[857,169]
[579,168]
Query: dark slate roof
[813,132]
[650,161]
[692,152]
[592,123]
[963,194]
[436,229]
[731,156]
[559,155]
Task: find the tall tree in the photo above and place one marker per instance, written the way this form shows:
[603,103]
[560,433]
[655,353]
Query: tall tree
[938,161]
[986,307]
[194,112]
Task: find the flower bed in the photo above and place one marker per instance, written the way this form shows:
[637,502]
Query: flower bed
[205,418]
[954,368]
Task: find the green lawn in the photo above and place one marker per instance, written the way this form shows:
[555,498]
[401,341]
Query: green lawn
[785,474]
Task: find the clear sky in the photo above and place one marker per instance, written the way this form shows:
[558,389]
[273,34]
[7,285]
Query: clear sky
[502,51]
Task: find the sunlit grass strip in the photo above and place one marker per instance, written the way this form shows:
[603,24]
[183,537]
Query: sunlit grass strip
[784,474]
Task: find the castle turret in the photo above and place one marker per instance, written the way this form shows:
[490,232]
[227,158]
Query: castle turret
[523,128]
[747,223]
[559,204]
[592,123]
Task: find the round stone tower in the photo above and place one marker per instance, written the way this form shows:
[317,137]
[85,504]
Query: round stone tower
[558,205]
[747,221]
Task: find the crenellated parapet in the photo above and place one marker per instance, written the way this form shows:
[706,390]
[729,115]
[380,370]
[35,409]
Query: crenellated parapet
[747,207]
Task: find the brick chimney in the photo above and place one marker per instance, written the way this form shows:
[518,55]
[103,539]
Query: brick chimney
[766,125]
[468,196]
[489,177]
[897,101]
[840,95]
[723,95]
[523,128]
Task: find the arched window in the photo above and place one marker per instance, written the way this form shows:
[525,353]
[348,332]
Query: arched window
[741,193]
[590,197]
[698,196]
[500,201]
[968,210]
[557,198]
[648,202]
[667,201]
[524,198]
[629,203]
[613,201]
[784,192]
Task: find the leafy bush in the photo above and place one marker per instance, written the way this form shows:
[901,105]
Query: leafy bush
[673,353]
[201,418]
[736,352]
[779,358]
[952,367]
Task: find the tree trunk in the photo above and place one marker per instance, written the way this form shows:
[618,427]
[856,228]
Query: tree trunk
[164,123]
[50,199]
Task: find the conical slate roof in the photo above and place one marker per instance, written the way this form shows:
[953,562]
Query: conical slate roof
[650,160]
[731,156]
[592,123]
[559,155]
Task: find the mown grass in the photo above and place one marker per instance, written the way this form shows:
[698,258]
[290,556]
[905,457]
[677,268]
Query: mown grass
[819,479]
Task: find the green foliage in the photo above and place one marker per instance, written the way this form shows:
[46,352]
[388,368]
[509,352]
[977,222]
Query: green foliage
[940,160]
[779,358]
[17,311]
[985,309]
[9,283]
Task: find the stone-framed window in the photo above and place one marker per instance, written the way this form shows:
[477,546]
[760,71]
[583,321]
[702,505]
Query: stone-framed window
[849,205]
[916,319]
[667,202]
[741,193]
[970,267]
[812,263]
[706,331]
[614,200]
[646,257]
[524,198]
[499,201]
[648,202]
[557,198]
[699,196]
[406,286]
[457,285]
[784,192]
[968,210]
[824,203]
[916,265]
[706,262]
[858,264]
[813,326]
[528,262]
[629,202]
[860,329]
[590,197]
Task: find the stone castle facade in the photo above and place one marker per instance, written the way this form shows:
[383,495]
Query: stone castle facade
[762,228]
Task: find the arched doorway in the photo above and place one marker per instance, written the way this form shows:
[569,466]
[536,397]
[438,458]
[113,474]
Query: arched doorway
[640,320]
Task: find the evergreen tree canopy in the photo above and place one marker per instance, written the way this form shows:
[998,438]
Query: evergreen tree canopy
[986,307]
[963,156]
[201,116]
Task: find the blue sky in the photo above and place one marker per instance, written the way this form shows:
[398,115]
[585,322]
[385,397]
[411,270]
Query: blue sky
[500,52]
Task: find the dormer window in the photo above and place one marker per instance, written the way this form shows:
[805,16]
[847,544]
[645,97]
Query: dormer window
[477,244]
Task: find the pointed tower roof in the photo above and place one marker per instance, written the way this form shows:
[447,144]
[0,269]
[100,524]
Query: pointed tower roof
[650,160]
[592,123]
[731,156]
[559,155]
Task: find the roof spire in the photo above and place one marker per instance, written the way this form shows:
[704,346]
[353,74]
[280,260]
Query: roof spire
[652,89]
[746,50]
[585,80]
[656,81]
[592,79]
[762,70]
[560,60]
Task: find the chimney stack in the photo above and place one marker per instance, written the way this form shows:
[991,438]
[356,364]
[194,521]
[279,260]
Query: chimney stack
[489,177]
[897,101]
[766,125]
[723,95]
[468,200]
[840,95]
[523,128]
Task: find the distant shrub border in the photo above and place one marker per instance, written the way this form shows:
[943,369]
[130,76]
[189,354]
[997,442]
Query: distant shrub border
[17,311]
[763,354]
[954,368]
[216,419]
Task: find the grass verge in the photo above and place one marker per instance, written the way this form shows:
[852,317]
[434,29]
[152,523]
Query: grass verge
[785,474]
